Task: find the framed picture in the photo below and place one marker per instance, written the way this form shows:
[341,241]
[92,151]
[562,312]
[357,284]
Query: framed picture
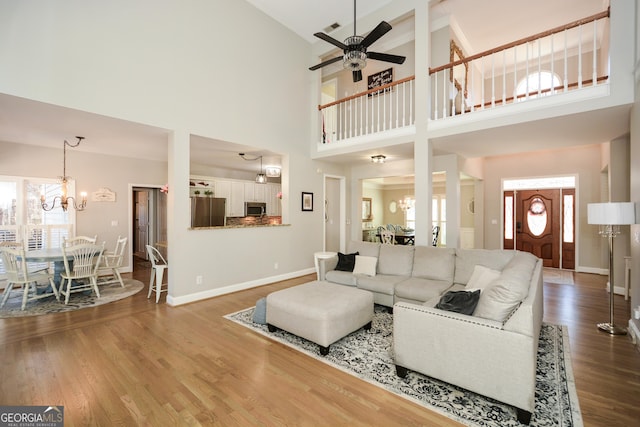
[380,79]
[307,201]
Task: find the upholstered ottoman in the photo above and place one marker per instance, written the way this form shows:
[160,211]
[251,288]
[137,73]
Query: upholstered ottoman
[321,312]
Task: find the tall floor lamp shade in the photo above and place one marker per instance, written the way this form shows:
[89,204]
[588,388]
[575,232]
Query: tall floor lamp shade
[610,216]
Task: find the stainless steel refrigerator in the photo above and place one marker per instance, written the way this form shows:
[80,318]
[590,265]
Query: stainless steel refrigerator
[208,211]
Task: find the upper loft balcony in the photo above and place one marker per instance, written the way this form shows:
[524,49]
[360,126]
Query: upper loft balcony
[563,70]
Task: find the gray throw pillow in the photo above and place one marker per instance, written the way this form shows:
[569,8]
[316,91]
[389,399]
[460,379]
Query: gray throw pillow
[260,312]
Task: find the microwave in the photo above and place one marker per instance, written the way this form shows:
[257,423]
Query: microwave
[255,209]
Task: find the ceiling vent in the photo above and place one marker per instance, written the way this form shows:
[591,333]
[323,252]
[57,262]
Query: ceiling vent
[331,27]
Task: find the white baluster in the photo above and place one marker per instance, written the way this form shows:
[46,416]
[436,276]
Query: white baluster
[566,78]
[515,74]
[493,80]
[482,85]
[539,69]
[580,57]
[435,96]
[553,90]
[595,64]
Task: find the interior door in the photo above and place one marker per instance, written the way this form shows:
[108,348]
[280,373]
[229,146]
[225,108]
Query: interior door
[141,225]
[538,224]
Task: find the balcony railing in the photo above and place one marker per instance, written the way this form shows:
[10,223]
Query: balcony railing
[552,62]
[556,61]
[383,108]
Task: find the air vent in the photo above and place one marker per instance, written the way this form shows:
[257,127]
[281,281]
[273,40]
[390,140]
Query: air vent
[331,27]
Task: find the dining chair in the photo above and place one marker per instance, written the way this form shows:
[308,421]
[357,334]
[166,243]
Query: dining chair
[435,232]
[158,266]
[112,261]
[78,239]
[388,237]
[17,273]
[81,264]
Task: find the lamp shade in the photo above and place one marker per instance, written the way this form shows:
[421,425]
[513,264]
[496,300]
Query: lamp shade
[622,213]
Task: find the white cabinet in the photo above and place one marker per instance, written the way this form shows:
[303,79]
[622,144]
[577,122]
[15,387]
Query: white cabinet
[254,192]
[274,205]
[237,199]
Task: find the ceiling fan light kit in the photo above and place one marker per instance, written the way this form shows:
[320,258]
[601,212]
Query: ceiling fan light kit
[354,49]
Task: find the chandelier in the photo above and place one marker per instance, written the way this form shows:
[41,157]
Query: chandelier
[406,203]
[64,179]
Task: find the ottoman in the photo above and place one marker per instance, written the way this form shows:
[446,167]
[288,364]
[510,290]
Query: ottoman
[320,312]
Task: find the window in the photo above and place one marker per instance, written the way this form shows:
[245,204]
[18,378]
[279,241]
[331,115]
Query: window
[537,84]
[22,218]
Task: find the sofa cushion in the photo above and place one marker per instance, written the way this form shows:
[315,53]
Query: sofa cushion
[346,262]
[340,277]
[380,283]
[507,292]
[482,278]
[467,259]
[417,289]
[365,265]
[364,248]
[396,260]
[434,263]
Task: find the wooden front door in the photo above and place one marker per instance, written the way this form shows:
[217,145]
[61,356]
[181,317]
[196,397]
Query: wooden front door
[537,223]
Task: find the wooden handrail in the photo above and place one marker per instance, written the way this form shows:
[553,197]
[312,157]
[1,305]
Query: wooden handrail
[358,95]
[528,39]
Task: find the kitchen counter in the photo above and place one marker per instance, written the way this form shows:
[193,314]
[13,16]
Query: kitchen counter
[221,227]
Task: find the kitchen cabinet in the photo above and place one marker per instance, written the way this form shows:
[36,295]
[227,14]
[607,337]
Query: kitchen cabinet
[233,191]
[254,192]
[274,204]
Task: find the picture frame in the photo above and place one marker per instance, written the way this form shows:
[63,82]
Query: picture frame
[366,209]
[381,78]
[307,201]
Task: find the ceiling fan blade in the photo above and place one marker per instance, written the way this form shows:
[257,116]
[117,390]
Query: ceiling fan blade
[357,76]
[379,31]
[396,59]
[331,40]
[327,62]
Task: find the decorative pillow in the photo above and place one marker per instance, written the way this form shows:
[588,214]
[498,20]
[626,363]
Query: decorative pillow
[463,302]
[482,278]
[365,265]
[260,312]
[346,262]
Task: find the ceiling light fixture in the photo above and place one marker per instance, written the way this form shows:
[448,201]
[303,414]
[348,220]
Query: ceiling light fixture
[261,178]
[379,158]
[64,180]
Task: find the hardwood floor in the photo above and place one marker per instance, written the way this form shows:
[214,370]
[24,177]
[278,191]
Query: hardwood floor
[133,362]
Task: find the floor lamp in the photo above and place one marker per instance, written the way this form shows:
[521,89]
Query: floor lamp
[610,216]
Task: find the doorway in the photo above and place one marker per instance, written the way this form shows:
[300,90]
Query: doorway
[148,220]
[334,213]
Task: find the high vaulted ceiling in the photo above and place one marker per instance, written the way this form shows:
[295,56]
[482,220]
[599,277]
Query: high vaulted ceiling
[486,24]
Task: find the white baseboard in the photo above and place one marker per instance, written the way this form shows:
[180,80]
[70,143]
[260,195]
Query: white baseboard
[198,296]
[592,270]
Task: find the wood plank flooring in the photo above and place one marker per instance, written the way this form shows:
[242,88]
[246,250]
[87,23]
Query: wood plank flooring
[133,362]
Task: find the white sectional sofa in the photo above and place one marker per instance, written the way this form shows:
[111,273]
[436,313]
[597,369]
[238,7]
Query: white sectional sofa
[492,352]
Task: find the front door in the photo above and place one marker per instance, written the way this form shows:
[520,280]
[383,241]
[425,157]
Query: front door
[141,236]
[537,223]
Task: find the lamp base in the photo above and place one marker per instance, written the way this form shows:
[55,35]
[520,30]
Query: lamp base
[612,329]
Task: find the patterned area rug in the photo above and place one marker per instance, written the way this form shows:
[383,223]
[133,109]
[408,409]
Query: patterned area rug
[108,293]
[368,355]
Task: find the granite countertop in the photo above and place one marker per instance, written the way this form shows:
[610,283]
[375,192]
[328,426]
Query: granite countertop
[222,227]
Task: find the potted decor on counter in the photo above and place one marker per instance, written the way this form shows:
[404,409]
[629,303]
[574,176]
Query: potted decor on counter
[197,193]
[208,193]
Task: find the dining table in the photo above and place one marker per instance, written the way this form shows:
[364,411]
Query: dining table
[403,237]
[54,255]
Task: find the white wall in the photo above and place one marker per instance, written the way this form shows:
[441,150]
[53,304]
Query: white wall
[221,70]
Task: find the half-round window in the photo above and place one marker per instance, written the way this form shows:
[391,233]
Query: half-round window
[537,216]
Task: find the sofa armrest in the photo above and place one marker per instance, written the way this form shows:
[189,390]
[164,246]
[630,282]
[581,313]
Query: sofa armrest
[327,264]
[471,352]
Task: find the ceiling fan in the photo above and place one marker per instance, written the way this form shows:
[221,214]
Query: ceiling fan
[355,49]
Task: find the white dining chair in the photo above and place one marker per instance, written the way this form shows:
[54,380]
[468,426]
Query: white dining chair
[158,266]
[78,240]
[388,237]
[81,264]
[17,273]
[112,261]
